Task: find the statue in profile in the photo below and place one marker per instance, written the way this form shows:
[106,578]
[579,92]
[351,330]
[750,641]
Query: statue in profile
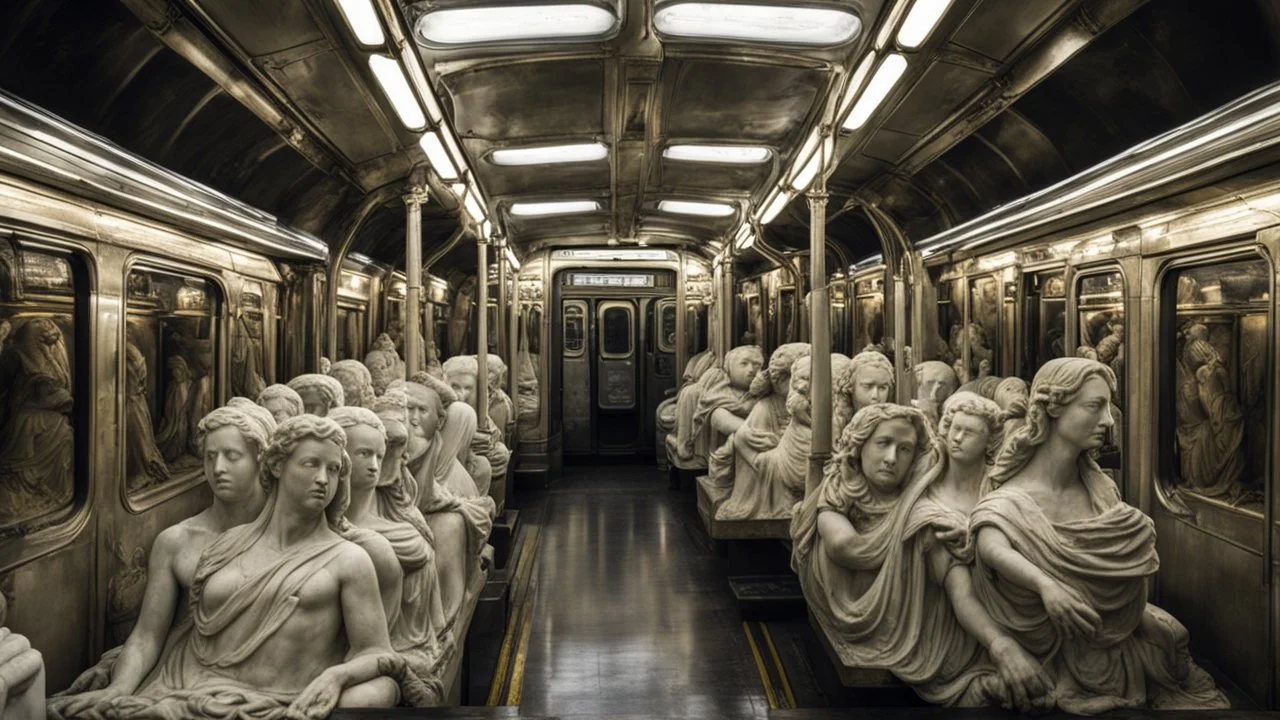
[383,363]
[461,373]
[460,316]
[867,380]
[282,401]
[173,437]
[1210,421]
[723,403]
[502,411]
[935,382]
[232,441]
[144,464]
[1082,613]
[381,502]
[356,381]
[35,429]
[22,679]
[320,393]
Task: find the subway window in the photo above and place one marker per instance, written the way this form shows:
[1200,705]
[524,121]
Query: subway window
[248,353]
[615,333]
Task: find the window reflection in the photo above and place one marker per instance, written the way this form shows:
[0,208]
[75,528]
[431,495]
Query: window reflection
[248,355]
[574,331]
[1100,336]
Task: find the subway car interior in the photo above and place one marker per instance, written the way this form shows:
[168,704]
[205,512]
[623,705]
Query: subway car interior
[628,359]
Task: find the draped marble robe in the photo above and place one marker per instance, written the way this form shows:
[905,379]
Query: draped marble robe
[1139,656]
[444,484]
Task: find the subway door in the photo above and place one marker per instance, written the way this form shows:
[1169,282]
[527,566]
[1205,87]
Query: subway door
[576,378]
[619,423]
[660,357]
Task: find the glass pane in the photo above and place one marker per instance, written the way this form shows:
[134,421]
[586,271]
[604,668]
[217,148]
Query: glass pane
[950,318]
[870,329]
[248,355]
[1053,318]
[1101,334]
[787,330]
[169,372]
[1220,369]
[984,327]
[616,333]
[667,333]
[37,373]
[574,331]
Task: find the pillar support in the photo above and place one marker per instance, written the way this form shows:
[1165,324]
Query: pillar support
[480,398]
[413,202]
[819,322]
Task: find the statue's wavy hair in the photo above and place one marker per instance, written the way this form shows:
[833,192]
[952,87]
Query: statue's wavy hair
[973,404]
[331,388]
[853,438]
[362,376]
[285,393]
[779,366]
[439,386]
[254,431]
[285,441]
[842,402]
[1056,384]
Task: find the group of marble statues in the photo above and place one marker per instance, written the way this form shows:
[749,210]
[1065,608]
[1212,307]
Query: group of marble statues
[349,524]
[968,543]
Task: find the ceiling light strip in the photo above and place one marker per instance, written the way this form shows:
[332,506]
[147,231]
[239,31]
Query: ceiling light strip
[515,23]
[723,154]
[774,24]
[558,207]
[363,21]
[921,20]
[550,154]
[395,88]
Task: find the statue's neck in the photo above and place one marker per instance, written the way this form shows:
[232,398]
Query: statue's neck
[363,505]
[1056,463]
[963,477]
[292,526]
[227,515]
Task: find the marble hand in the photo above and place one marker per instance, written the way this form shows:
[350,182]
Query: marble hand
[1068,611]
[949,535]
[73,705]
[1030,688]
[318,699]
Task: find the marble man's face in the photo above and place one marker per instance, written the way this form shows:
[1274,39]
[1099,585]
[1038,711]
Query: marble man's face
[314,401]
[366,447]
[888,453]
[423,413]
[309,477]
[463,384]
[967,438]
[936,384]
[1086,421]
[742,369]
[871,386]
[800,381]
[230,465]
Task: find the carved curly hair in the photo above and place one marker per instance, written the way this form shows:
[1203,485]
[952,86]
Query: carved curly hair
[973,404]
[285,441]
[252,429]
[285,393]
[846,382]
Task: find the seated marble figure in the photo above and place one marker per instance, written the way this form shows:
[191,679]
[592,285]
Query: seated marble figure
[502,411]
[867,380]
[357,383]
[769,481]
[1062,563]
[319,392]
[461,373]
[22,678]
[384,363]
[282,401]
[722,405]
[684,399]
[380,502]
[935,382]
[768,415]
[286,615]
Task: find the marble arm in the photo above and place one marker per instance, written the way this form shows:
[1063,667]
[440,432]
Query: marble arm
[725,422]
[995,550]
[839,538]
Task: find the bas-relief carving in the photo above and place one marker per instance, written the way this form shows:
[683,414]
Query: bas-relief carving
[144,464]
[36,439]
[246,372]
[527,397]
[1210,429]
[124,590]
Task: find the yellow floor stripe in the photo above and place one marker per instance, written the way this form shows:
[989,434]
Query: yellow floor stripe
[764,674]
[524,569]
[517,671]
[777,661]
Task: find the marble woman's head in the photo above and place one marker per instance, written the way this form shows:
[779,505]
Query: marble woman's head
[306,464]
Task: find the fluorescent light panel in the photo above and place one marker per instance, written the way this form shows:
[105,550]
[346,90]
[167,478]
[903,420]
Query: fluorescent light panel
[855,83]
[511,258]
[396,88]
[887,75]
[438,157]
[804,178]
[550,154]
[474,208]
[560,207]
[725,154]
[774,207]
[515,23]
[921,21]
[363,21]
[689,207]
[778,24]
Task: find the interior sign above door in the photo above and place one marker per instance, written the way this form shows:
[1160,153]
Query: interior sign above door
[612,280]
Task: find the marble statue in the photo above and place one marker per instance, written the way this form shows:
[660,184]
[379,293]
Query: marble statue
[282,401]
[383,363]
[199,357]
[1062,563]
[1012,395]
[144,465]
[979,353]
[320,393]
[935,382]
[286,616]
[461,373]
[357,383]
[527,398]
[985,386]
[325,364]
[380,501]
[232,442]
[246,361]
[1210,422]
[866,381]
[36,437]
[722,404]
[22,678]
[768,484]
[729,466]
[173,437]
[684,400]
[459,515]
[460,316]
[502,411]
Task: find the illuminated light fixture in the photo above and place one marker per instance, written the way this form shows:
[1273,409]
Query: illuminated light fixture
[459,189]
[855,83]
[887,75]
[550,154]
[725,154]
[559,207]
[804,178]
[508,23]
[474,208]
[396,88]
[486,229]
[745,238]
[774,207]
[511,258]
[438,156]
[688,207]
[363,21]
[921,21]
[776,24]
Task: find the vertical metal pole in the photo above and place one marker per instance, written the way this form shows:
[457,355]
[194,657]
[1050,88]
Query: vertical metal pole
[481,395]
[413,202]
[717,338]
[819,310]
[905,375]
[500,257]
[727,292]
[682,299]
[513,351]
